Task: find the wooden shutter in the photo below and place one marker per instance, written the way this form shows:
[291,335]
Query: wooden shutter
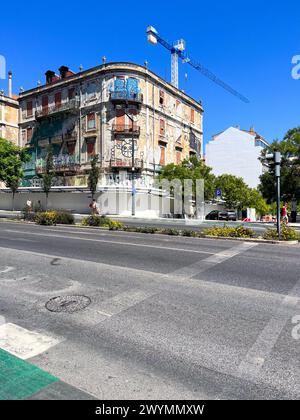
[57,99]
[29,108]
[28,134]
[45,105]
[162,160]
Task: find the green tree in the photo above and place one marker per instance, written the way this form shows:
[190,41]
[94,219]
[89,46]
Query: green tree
[234,191]
[193,169]
[48,174]
[12,159]
[289,147]
[94,174]
[255,200]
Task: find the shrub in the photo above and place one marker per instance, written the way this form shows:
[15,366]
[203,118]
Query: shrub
[170,231]
[127,228]
[27,215]
[115,225]
[190,233]
[95,220]
[64,218]
[53,217]
[286,234]
[47,218]
[231,232]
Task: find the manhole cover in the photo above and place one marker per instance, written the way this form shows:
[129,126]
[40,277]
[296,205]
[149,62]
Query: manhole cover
[68,304]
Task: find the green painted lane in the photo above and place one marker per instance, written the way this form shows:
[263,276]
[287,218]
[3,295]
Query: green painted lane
[20,379]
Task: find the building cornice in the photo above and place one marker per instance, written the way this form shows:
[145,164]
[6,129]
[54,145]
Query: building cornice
[113,67]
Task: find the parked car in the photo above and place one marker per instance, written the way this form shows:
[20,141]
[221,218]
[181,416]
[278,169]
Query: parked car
[221,215]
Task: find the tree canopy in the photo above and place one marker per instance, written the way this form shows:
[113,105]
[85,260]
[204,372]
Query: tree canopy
[289,147]
[12,159]
[191,168]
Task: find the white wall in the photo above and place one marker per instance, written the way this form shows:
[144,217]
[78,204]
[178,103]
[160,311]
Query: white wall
[109,202]
[234,152]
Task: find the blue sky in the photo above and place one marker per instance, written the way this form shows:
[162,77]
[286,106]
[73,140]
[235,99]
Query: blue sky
[248,44]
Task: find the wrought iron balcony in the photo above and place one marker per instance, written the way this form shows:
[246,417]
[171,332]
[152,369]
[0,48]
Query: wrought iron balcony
[125,163]
[126,129]
[124,96]
[63,163]
[69,106]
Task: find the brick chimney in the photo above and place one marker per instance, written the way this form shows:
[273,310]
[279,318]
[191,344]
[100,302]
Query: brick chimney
[65,72]
[50,76]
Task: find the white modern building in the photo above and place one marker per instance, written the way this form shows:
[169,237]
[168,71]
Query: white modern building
[236,152]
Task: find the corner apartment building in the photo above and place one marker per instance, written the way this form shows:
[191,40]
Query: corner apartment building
[90,112]
[236,152]
[9,114]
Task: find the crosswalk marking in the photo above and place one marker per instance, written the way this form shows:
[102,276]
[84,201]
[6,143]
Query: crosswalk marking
[24,343]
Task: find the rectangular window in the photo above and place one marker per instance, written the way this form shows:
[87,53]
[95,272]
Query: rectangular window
[57,100]
[71,147]
[71,93]
[162,160]
[161,97]
[45,105]
[192,115]
[178,157]
[90,147]
[29,111]
[162,127]
[91,121]
[28,134]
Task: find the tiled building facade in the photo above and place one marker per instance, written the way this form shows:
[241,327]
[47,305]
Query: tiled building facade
[103,111]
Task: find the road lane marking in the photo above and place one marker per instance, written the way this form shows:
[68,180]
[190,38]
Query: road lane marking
[102,310]
[6,269]
[117,242]
[263,346]
[24,343]
[209,262]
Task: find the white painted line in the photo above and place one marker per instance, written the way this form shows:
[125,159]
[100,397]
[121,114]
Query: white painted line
[6,269]
[24,343]
[209,262]
[256,356]
[138,245]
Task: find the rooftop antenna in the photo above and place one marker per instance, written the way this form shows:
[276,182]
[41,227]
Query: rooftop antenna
[80,67]
[103,59]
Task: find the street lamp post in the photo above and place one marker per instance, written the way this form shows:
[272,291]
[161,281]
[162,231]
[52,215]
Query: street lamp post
[276,158]
[132,168]
[133,189]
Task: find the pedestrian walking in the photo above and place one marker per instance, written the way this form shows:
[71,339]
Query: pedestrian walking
[284,214]
[93,207]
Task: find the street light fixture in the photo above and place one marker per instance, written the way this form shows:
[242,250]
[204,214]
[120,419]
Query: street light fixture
[133,188]
[276,158]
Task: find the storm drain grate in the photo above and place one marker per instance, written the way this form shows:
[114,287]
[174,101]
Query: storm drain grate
[69,304]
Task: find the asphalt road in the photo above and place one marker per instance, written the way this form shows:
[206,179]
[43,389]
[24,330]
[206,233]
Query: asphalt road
[169,317]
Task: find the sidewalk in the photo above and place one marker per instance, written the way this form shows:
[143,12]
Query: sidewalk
[7,214]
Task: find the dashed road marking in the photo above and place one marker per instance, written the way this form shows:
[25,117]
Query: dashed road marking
[209,262]
[256,356]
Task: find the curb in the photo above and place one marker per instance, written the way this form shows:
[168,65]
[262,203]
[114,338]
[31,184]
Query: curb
[255,240]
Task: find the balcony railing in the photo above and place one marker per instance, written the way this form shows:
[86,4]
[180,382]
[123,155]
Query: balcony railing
[125,163]
[68,106]
[126,129]
[125,96]
[62,163]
